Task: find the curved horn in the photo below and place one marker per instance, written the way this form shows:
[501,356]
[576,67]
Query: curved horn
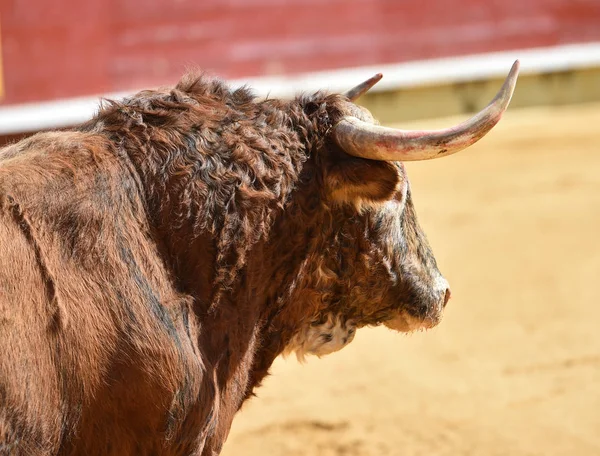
[362,139]
[356,92]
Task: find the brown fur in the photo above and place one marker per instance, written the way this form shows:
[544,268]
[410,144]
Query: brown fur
[156,260]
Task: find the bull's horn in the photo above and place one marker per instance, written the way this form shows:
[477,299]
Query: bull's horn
[355,92]
[362,139]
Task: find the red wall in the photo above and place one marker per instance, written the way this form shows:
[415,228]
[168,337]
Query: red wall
[63,48]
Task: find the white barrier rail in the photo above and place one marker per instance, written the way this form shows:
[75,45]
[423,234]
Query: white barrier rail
[59,113]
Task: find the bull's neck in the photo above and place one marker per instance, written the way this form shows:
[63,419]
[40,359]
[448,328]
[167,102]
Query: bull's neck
[211,207]
[232,222]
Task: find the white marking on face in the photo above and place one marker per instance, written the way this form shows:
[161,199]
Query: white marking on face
[441,285]
[320,340]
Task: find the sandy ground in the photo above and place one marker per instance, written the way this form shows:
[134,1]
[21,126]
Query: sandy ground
[514,368]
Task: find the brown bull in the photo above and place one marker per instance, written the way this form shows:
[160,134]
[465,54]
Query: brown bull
[157,259]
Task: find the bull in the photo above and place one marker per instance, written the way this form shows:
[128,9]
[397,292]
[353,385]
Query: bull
[155,260]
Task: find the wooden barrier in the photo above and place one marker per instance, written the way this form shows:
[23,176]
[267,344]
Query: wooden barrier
[1,68]
[70,48]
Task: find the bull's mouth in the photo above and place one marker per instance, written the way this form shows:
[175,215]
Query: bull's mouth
[405,322]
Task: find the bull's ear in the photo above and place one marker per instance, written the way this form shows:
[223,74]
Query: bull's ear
[362,182]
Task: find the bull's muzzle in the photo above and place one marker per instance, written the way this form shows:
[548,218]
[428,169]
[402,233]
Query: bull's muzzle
[404,321]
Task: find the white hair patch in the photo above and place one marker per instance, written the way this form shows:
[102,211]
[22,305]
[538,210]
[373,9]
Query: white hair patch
[321,339]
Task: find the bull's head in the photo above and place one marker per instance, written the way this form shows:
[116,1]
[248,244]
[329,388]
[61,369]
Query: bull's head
[377,267]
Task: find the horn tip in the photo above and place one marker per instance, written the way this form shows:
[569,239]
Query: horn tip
[514,74]
[515,66]
[510,82]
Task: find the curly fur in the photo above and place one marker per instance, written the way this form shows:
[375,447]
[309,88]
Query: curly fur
[164,253]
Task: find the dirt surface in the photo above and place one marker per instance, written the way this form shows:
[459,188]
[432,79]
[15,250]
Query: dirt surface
[514,368]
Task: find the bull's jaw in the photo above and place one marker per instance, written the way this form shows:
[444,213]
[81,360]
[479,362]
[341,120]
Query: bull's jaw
[404,322]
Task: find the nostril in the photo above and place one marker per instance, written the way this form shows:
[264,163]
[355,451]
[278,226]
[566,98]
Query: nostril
[447,296]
